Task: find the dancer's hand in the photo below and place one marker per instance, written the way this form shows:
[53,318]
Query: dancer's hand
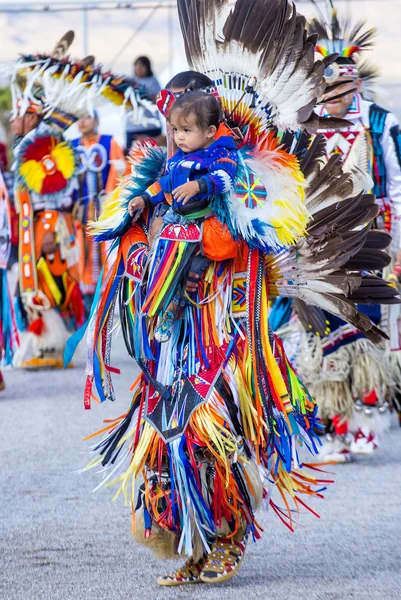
[192,283]
[137,203]
[185,192]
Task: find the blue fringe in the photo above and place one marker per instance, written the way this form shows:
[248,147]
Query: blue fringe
[148,170]
[6,320]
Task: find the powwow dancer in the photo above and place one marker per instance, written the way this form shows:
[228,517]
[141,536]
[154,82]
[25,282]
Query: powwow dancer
[351,377]
[101,163]
[50,93]
[218,412]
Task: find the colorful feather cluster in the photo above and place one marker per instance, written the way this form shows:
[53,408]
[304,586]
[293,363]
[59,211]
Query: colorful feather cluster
[340,37]
[63,89]
[266,207]
[46,164]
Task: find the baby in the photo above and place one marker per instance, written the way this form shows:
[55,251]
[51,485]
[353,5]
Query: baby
[204,166]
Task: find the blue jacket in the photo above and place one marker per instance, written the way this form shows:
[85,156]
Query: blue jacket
[214,167]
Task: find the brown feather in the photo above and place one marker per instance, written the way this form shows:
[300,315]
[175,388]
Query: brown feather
[312,318]
[378,239]
[63,45]
[88,61]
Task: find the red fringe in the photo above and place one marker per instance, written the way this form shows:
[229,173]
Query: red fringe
[88,393]
[37,327]
[77,306]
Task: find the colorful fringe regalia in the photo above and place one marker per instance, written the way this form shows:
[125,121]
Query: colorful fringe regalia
[218,397]
[8,329]
[49,299]
[218,414]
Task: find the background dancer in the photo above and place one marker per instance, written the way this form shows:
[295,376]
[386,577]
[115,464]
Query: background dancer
[353,378]
[48,297]
[101,163]
[48,100]
[8,329]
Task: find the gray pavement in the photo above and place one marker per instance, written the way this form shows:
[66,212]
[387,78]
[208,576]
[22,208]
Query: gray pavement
[61,541]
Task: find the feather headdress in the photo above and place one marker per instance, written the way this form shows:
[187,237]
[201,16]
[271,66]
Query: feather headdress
[340,36]
[261,60]
[349,40]
[62,89]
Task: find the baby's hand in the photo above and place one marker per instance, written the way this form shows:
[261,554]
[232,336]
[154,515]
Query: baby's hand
[185,192]
[137,203]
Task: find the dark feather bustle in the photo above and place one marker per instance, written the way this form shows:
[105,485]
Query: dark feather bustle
[325,267]
[220,36]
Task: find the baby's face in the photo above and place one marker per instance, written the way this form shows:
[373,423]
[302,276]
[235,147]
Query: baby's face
[187,135]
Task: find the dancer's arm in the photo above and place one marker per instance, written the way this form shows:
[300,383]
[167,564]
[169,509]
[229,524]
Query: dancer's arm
[154,195]
[220,177]
[218,180]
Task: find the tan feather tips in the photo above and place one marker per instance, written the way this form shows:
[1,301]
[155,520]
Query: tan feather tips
[63,45]
[88,61]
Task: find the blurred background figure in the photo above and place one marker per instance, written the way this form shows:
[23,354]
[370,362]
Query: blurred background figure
[101,162]
[8,182]
[354,379]
[143,75]
[3,157]
[8,330]
[49,300]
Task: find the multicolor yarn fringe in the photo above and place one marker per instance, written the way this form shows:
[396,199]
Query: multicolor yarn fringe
[219,398]
[8,328]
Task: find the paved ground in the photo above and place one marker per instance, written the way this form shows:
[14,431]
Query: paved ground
[60,541]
